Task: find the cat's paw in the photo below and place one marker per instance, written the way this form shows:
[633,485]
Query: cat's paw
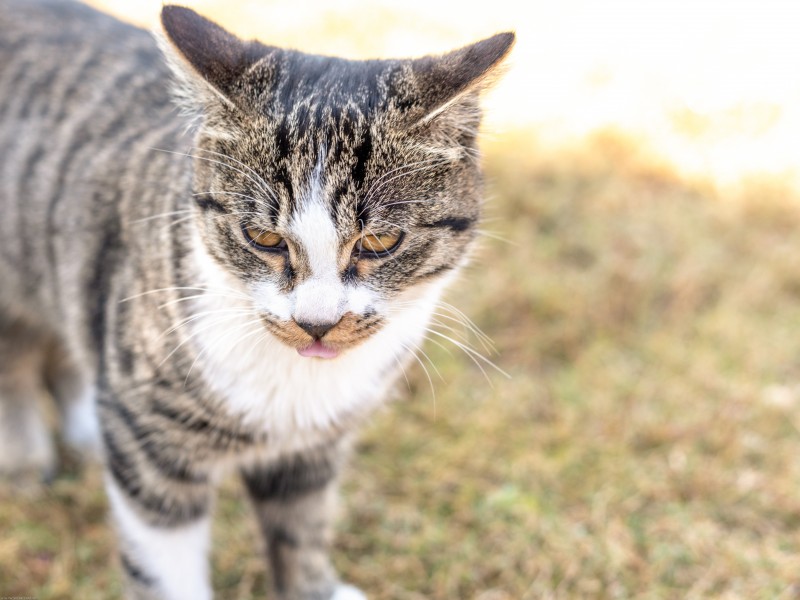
[348,592]
[81,429]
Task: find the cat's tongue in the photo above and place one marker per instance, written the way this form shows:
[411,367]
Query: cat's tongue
[318,350]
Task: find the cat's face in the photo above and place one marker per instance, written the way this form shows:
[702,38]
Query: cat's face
[334,192]
[333,236]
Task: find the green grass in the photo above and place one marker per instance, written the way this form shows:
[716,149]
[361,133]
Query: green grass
[645,446]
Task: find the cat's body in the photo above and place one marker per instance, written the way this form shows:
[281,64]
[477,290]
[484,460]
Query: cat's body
[135,281]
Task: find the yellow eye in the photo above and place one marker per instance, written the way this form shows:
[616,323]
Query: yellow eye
[264,240]
[378,245]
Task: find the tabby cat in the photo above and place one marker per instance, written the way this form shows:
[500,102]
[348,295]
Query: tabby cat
[231,285]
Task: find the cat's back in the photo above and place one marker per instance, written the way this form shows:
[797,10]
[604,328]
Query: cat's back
[63,39]
[78,91]
[62,62]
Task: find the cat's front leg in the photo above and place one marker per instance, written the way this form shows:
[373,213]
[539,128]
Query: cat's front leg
[163,529]
[294,499]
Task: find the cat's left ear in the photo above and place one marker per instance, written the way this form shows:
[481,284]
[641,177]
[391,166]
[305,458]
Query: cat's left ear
[208,60]
[445,81]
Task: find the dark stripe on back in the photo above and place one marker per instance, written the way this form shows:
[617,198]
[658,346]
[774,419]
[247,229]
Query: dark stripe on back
[19,75]
[81,141]
[106,257]
[37,92]
[125,351]
[24,232]
[78,81]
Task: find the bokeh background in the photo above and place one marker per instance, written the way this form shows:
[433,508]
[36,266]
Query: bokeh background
[640,280]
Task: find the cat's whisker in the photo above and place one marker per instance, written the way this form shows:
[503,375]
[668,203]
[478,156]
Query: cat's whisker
[390,224]
[483,340]
[196,296]
[239,213]
[401,202]
[243,215]
[465,322]
[215,343]
[449,328]
[473,354]
[424,368]
[458,317]
[399,362]
[469,323]
[404,174]
[194,334]
[390,172]
[265,334]
[452,152]
[172,224]
[222,316]
[201,315]
[216,162]
[419,349]
[263,184]
[162,215]
[382,181]
[446,349]
[224,336]
[216,290]
[495,236]
[227,193]
[183,288]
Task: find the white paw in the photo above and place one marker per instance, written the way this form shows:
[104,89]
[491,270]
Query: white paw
[81,429]
[348,592]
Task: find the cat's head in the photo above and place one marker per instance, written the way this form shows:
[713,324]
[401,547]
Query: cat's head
[337,193]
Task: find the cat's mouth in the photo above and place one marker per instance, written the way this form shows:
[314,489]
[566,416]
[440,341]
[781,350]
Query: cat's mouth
[351,330]
[318,349]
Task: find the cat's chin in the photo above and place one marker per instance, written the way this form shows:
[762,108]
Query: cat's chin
[318,350]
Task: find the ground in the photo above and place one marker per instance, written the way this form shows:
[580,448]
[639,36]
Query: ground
[644,445]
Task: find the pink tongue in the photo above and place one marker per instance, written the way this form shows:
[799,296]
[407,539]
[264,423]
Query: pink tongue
[318,350]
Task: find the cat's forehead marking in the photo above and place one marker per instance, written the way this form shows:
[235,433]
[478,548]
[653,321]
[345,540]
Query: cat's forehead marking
[313,227]
[320,296]
[310,114]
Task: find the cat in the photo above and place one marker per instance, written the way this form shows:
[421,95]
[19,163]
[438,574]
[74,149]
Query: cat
[217,254]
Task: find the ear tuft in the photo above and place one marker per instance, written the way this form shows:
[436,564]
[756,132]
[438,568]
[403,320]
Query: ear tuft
[443,80]
[217,56]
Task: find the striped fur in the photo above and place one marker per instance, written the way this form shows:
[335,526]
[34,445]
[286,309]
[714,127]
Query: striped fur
[132,294]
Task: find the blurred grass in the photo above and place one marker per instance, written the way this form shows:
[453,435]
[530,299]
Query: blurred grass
[645,445]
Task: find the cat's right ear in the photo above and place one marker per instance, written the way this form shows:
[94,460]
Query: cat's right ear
[208,61]
[450,81]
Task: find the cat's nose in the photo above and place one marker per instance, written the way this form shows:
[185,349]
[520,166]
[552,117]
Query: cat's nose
[316,330]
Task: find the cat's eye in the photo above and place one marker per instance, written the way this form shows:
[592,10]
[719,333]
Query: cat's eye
[264,240]
[375,245]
